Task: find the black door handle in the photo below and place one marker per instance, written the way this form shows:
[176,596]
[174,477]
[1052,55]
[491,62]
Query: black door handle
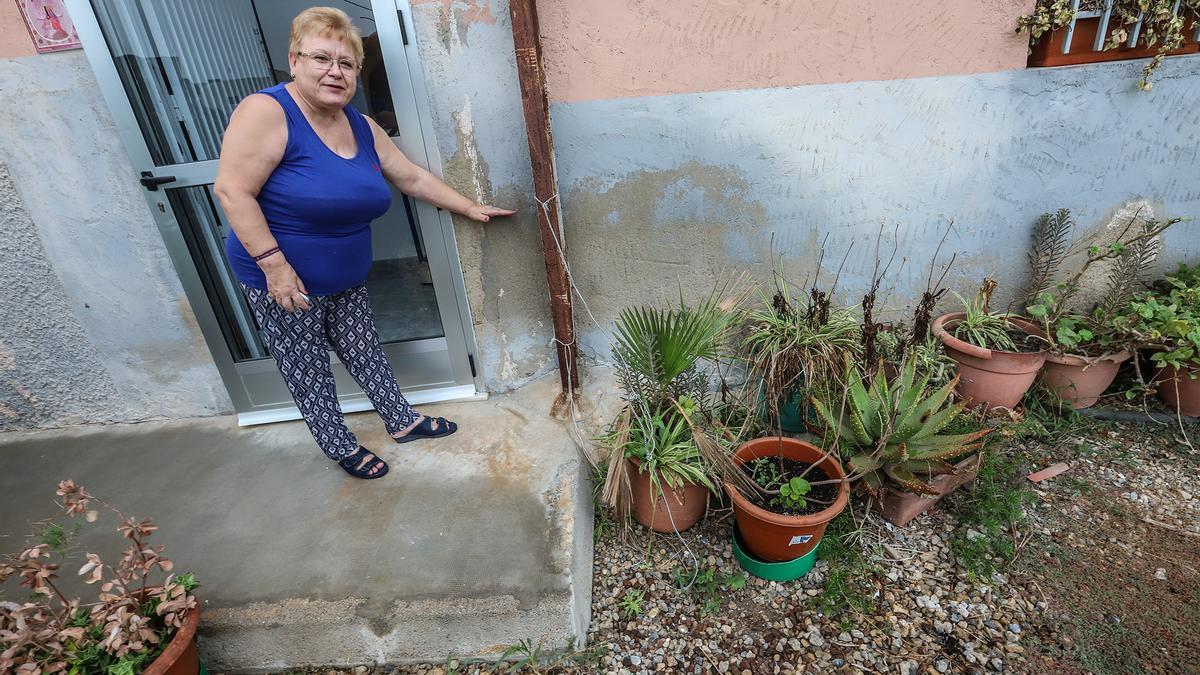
[151,182]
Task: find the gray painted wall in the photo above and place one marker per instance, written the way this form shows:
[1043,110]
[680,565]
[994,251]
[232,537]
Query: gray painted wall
[470,70]
[94,325]
[671,191]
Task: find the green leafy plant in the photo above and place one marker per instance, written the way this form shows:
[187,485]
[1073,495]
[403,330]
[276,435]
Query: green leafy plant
[1163,23]
[981,326]
[791,493]
[706,585]
[990,514]
[1049,300]
[893,427]
[631,604]
[793,343]
[524,654]
[664,446]
[897,348]
[1167,319]
[122,631]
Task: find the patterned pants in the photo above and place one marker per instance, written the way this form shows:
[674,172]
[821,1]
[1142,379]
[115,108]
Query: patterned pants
[300,344]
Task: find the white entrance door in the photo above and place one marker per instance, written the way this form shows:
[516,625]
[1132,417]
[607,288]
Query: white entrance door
[172,71]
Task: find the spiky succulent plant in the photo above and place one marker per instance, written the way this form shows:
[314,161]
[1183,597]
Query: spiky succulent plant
[893,428]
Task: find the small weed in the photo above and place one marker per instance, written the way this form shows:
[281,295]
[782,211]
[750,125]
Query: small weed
[706,585]
[989,515]
[631,604]
[589,658]
[603,524]
[525,653]
[1076,485]
[529,656]
[1046,418]
[847,586]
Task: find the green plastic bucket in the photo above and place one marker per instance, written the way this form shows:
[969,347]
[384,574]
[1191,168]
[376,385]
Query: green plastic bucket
[793,412]
[788,570]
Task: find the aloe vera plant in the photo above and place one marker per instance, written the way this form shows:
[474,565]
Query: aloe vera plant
[894,428]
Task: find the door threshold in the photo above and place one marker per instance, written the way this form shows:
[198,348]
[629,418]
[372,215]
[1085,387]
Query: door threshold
[361,403]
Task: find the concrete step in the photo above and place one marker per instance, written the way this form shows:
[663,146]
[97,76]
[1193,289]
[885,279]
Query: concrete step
[473,542]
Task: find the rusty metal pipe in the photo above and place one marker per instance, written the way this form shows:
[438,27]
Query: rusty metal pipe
[531,74]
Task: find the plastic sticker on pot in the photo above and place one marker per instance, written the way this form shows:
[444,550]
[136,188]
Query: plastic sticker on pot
[800,539]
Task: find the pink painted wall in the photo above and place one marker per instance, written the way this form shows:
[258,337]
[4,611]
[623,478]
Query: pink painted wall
[621,48]
[14,37]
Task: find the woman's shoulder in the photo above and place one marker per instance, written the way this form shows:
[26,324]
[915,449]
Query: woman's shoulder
[259,107]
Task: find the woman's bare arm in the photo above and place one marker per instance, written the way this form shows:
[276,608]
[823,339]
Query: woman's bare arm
[417,182]
[253,146]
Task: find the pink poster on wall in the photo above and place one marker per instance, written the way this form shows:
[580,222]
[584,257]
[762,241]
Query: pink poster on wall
[49,25]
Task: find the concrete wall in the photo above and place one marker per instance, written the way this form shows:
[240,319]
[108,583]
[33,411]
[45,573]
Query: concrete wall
[94,325]
[624,48]
[678,190]
[470,69]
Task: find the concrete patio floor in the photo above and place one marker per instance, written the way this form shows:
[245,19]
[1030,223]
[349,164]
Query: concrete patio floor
[473,542]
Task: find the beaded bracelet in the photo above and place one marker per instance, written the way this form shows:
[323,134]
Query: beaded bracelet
[267,254]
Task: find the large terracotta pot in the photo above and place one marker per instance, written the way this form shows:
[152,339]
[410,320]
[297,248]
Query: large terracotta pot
[899,507]
[1180,389]
[774,537]
[1080,381]
[180,656]
[993,378]
[669,510]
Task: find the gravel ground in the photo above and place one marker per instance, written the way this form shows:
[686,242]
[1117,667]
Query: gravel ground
[1104,580]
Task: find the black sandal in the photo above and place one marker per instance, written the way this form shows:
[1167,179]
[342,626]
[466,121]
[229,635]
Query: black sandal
[351,463]
[425,430]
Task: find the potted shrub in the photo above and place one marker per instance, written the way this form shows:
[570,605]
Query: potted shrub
[793,344]
[797,489]
[133,626]
[893,430]
[1084,354]
[1167,320]
[1085,349]
[665,458]
[998,354]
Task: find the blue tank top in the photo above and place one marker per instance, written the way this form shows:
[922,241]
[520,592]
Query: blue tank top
[319,206]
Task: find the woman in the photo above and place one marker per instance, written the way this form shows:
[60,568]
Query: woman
[302,174]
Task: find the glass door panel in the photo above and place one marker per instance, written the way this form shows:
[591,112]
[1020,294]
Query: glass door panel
[181,67]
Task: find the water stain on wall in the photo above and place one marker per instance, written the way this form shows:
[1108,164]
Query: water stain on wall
[651,233]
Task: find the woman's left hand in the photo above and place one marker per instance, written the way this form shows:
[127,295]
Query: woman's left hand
[483,213]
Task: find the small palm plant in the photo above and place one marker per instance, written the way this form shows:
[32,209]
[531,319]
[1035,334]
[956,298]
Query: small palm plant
[894,430]
[666,423]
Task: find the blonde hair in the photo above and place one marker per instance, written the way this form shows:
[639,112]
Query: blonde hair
[328,22]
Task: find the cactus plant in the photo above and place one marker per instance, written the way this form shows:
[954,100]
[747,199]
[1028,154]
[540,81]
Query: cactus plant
[894,430]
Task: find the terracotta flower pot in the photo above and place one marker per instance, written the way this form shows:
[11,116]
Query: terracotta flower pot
[180,656]
[993,378]
[1180,390]
[672,509]
[774,537]
[1080,381]
[899,507]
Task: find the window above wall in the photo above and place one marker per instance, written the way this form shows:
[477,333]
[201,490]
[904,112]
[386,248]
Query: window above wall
[1097,24]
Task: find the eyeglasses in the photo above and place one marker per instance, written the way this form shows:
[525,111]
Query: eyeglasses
[325,62]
